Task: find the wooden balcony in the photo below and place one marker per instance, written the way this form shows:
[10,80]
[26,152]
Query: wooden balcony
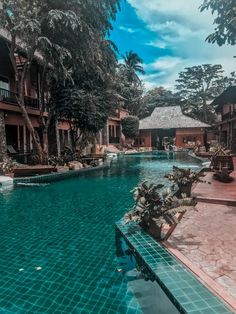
[9,97]
[229,115]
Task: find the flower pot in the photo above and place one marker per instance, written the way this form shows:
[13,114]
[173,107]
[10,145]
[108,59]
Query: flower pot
[152,229]
[185,189]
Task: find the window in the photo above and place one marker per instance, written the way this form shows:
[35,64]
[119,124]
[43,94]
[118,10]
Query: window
[188,139]
[4,83]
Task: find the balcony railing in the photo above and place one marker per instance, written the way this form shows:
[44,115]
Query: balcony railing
[229,115]
[9,97]
[114,140]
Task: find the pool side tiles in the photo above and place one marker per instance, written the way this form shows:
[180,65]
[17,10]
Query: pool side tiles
[53,177]
[185,291]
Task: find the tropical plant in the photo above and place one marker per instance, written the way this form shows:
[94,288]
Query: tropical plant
[132,65]
[198,86]
[64,37]
[128,84]
[7,165]
[32,26]
[154,209]
[184,179]
[130,126]
[225,21]
[220,150]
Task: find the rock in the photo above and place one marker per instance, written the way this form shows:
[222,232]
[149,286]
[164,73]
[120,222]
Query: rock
[75,165]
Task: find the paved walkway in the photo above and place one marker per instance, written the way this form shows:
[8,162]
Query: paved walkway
[217,192]
[207,237]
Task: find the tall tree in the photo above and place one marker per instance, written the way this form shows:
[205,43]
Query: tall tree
[225,21]
[158,97]
[128,84]
[31,25]
[67,36]
[132,65]
[198,86]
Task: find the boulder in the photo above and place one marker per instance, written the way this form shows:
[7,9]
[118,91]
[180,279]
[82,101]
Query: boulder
[75,165]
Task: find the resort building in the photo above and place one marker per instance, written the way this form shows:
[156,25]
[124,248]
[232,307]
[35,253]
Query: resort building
[15,136]
[226,108]
[171,125]
[111,133]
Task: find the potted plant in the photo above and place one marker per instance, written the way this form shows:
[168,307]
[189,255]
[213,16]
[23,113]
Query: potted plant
[154,209]
[184,179]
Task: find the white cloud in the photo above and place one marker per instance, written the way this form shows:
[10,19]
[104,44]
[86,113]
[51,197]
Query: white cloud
[181,28]
[157,43]
[127,29]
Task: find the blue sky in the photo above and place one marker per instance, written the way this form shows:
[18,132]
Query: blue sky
[169,35]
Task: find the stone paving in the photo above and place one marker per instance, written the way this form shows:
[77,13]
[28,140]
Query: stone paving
[207,238]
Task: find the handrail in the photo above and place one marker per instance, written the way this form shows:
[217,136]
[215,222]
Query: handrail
[9,97]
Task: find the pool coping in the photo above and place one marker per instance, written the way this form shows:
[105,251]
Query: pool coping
[182,286]
[58,176]
[206,279]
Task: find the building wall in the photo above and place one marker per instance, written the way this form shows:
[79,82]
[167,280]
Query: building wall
[144,139]
[228,108]
[185,136]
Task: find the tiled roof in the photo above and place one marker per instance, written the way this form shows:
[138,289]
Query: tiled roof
[170,117]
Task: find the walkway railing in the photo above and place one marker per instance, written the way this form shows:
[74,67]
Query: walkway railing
[9,97]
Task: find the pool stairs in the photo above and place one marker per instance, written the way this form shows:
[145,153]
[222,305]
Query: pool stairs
[6,183]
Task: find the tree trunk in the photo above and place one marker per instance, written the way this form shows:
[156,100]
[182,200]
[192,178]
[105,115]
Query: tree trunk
[35,137]
[3,144]
[58,140]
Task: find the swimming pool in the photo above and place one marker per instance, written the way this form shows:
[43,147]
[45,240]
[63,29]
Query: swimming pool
[57,242]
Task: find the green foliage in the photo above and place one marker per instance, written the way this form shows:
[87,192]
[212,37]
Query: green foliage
[158,97]
[7,165]
[153,209]
[225,21]
[198,86]
[87,110]
[181,176]
[130,126]
[132,65]
[128,84]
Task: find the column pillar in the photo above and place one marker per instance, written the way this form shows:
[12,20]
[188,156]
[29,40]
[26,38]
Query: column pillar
[3,140]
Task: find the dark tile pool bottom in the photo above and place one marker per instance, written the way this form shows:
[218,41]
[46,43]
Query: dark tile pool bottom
[187,293]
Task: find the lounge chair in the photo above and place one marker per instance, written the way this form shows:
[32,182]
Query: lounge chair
[11,150]
[222,165]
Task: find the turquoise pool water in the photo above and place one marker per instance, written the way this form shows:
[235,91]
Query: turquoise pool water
[57,242]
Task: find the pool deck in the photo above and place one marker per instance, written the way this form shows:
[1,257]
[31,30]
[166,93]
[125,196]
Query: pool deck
[216,192]
[205,239]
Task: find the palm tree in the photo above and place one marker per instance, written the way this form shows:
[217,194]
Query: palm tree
[133,64]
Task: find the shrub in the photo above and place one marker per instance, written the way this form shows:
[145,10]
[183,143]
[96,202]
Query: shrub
[130,126]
